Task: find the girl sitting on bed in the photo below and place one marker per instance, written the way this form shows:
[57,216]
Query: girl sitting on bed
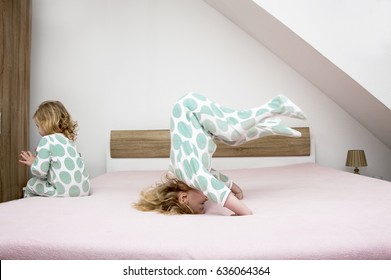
[196,122]
[57,167]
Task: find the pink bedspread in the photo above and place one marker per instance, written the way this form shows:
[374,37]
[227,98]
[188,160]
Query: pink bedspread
[302,211]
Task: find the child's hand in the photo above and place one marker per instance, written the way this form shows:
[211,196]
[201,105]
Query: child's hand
[239,195]
[27,158]
[237,206]
[237,191]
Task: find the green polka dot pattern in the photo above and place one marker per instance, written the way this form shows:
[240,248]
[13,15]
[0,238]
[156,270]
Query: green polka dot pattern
[197,121]
[58,169]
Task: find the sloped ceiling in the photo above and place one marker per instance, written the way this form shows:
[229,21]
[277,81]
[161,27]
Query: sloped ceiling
[292,49]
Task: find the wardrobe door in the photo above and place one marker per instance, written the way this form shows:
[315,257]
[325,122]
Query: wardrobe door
[15,33]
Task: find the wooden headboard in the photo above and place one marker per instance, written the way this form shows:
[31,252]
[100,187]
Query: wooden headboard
[156,144]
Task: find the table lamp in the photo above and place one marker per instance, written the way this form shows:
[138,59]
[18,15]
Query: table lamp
[356,158]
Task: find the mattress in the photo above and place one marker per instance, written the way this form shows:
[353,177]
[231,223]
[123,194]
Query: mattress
[302,211]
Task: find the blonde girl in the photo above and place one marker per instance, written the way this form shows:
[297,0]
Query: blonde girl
[196,123]
[57,168]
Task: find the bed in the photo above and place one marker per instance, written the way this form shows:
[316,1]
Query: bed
[302,210]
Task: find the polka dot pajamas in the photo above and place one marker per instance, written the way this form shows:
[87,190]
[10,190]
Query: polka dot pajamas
[58,169]
[197,121]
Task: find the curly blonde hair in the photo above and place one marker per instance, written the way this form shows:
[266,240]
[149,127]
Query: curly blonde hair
[54,118]
[163,197]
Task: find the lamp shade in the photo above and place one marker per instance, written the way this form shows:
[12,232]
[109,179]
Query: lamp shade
[356,158]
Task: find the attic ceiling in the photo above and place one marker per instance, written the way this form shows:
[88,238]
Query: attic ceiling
[307,61]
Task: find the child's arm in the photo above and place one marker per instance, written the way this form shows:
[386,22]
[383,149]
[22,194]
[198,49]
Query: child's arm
[237,191]
[236,206]
[41,164]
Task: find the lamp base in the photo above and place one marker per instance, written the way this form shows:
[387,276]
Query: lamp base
[356,171]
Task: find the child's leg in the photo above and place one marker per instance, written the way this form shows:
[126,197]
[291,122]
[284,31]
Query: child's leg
[39,187]
[28,193]
[235,127]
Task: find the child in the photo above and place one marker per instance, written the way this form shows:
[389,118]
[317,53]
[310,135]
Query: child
[196,122]
[57,168]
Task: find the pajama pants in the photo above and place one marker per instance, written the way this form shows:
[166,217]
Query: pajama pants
[197,121]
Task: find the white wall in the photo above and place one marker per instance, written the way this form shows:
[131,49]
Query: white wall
[354,34]
[121,64]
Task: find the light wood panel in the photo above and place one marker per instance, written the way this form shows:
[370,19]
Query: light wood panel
[156,144]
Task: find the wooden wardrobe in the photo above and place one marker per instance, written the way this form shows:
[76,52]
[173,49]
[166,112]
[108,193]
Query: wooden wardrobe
[15,33]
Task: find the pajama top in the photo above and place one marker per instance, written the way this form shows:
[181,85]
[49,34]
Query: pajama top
[58,169]
[196,122]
